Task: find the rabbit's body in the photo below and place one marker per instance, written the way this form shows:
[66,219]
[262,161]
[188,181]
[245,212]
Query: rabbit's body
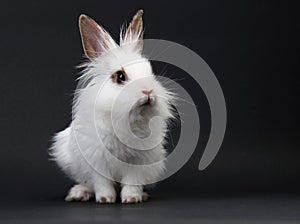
[91,151]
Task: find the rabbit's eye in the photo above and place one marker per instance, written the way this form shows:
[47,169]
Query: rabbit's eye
[119,77]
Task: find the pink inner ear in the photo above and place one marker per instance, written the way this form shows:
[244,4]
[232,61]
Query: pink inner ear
[94,39]
[136,25]
[134,32]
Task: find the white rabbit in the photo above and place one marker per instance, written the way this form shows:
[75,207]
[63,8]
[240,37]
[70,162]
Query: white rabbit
[117,85]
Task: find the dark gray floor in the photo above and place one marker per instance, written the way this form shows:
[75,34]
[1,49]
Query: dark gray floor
[160,209]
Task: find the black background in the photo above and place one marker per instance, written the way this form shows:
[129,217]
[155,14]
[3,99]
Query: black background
[252,47]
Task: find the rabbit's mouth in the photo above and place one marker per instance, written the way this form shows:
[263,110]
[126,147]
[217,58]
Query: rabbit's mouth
[147,101]
[144,103]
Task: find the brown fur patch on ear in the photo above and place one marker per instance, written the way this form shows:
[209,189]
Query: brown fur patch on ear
[95,40]
[136,25]
[90,32]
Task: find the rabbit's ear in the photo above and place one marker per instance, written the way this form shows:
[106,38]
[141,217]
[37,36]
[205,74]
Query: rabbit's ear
[134,32]
[95,39]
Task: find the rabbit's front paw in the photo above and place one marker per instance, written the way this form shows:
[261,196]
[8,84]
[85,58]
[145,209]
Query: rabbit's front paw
[106,195]
[108,199]
[131,194]
[79,193]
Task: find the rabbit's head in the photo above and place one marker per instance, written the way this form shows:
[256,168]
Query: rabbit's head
[123,76]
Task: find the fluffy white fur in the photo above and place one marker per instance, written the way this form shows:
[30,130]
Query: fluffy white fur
[90,143]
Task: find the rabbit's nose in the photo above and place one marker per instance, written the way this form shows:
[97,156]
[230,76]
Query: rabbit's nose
[147,92]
